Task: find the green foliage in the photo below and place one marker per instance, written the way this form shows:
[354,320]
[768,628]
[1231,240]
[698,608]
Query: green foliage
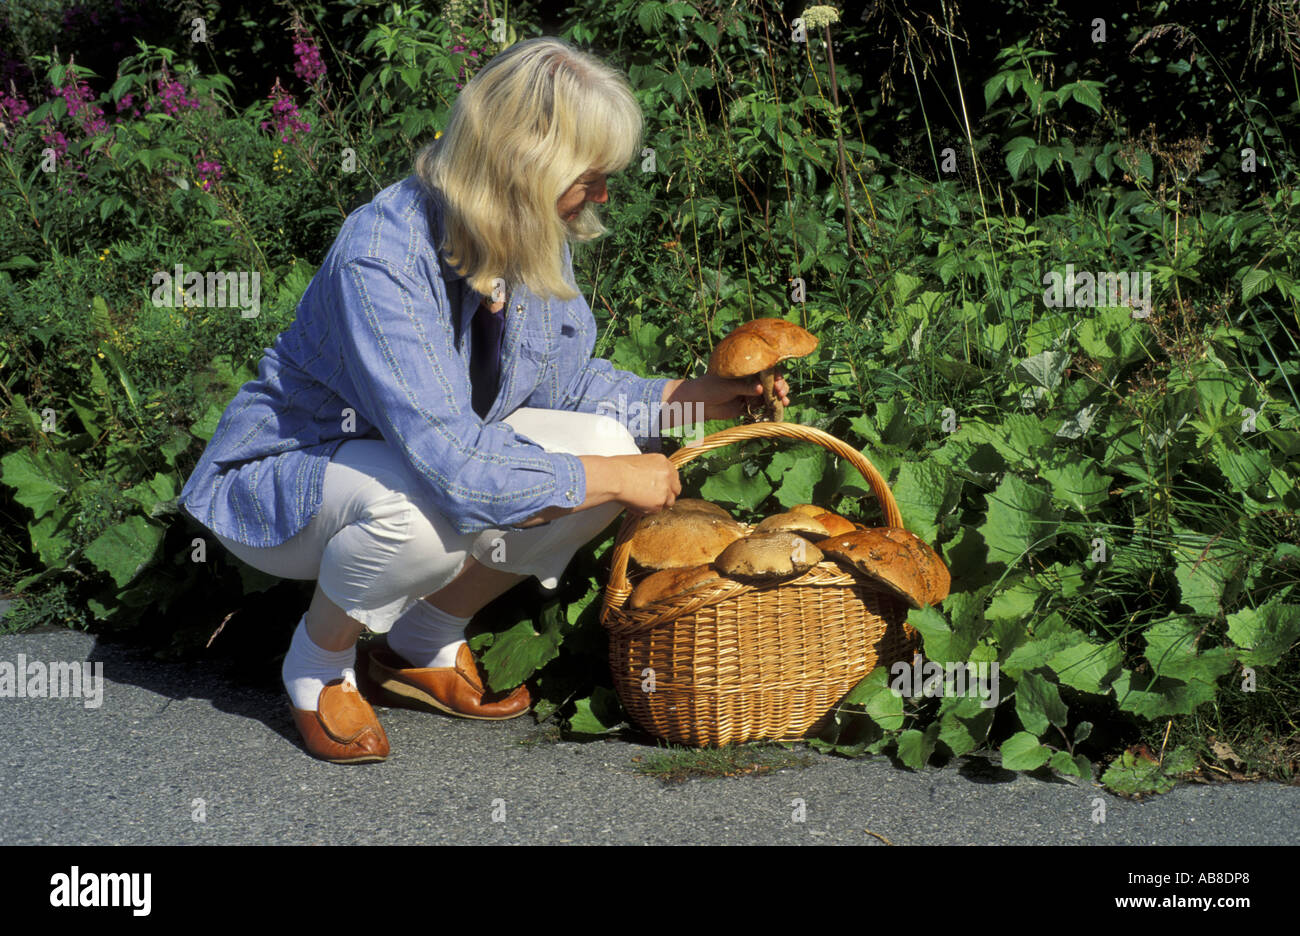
[1113,485]
[1134,775]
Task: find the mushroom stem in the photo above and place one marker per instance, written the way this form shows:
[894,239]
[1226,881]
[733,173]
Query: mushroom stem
[772,406]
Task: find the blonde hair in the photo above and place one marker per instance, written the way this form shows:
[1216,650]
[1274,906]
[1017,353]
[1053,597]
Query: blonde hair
[533,120]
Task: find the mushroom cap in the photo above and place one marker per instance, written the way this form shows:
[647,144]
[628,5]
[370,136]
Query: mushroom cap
[901,561]
[758,345]
[688,533]
[766,556]
[791,522]
[695,505]
[835,524]
[810,510]
[669,582]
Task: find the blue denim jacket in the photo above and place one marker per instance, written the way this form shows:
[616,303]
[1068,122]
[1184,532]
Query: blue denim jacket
[380,349]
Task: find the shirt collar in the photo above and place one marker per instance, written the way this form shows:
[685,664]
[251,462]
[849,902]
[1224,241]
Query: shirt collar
[438,231]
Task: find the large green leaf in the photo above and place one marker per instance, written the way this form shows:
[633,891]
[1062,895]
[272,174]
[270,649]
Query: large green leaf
[1076,481]
[1030,651]
[1046,368]
[941,644]
[1076,766]
[876,695]
[597,714]
[1265,633]
[1022,751]
[40,479]
[206,424]
[51,538]
[964,724]
[915,747]
[1160,698]
[795,474]
[1020,519]
[86,411]
[158,489]
[1243,467]
[1086,666]
[123,550]
[734,486]
[1112,333]
[925,492]
[1038,704]
[1172,652]
[518,653]
[1020,439]
[1205,571]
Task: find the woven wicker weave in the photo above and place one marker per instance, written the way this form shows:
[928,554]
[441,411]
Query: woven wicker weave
[733,662]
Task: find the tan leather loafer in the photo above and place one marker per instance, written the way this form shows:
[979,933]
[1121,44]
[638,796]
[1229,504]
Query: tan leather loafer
[344,728]
[456,690]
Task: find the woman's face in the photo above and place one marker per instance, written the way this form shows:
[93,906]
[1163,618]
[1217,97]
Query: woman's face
[590,186]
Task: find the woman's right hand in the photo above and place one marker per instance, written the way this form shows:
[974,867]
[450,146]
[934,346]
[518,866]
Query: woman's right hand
[649,483]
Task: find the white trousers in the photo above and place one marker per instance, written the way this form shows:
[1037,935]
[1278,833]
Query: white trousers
[376,546]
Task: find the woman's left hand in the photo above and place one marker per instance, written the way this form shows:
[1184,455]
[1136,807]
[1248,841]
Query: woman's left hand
[725,398]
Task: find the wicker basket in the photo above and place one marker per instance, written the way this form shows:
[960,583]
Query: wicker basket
[733,662]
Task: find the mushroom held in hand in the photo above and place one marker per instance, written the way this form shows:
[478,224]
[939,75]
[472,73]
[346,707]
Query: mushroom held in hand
[901,561]
[765,556]
[755,349]
[688,533]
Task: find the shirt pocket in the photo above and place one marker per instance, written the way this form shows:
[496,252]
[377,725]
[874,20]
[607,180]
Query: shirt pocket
[536,354]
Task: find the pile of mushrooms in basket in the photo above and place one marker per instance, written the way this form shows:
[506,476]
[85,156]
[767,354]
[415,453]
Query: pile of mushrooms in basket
[694,542]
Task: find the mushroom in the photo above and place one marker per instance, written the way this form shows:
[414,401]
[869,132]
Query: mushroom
[669,582]
[755,349]
[768,556]
[835,524]
[791,522]
[809,510]
[900,561]
[688,533]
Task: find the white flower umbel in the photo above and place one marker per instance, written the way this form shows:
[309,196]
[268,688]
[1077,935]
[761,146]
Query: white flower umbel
[817,16]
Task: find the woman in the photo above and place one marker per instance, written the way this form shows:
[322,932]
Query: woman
[426,434]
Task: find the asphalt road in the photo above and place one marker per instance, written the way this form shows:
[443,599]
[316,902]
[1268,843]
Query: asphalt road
[167,736]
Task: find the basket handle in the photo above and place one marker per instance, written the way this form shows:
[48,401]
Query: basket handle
[618,589]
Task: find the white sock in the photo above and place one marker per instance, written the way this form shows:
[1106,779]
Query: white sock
[307,668]
[426,636]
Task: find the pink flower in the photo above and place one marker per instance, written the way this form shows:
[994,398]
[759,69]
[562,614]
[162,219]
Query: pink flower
[81,106]
[208,172]
[173,96]
[12,110]
[309,66]
[284,115]
[55,140]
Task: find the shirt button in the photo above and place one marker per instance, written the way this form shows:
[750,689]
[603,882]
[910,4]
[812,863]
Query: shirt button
[571,495]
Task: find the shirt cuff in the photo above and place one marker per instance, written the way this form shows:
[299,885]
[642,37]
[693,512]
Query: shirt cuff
[570,481]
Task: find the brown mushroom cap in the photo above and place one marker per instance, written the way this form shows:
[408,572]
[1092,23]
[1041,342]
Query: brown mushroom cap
[791,522]
[768,556]
[901,561]
[835,524]
[669,582]
[758,345]
[809,510]
[688,533]
[695,505]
